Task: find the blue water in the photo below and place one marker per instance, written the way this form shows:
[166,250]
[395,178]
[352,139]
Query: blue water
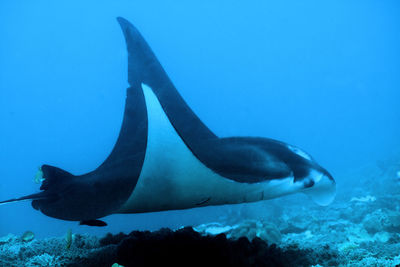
[320,75]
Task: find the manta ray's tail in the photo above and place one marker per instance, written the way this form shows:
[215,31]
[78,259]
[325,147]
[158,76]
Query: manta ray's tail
[54,178]
[40,195]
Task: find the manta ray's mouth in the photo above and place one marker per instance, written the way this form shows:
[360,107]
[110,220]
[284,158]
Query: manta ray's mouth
[323,190]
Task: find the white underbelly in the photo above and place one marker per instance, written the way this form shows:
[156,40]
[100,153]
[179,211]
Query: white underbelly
[173,178]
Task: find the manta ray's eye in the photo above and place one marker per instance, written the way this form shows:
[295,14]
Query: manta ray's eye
[308,183]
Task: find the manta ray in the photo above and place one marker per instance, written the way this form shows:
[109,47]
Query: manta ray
[166,158]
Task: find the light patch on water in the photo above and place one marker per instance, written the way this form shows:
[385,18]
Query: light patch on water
[368,198]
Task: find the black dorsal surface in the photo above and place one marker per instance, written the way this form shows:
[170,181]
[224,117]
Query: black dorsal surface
[144,67]
[239,161]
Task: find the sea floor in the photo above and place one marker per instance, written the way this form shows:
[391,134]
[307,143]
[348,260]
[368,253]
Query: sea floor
[360,228]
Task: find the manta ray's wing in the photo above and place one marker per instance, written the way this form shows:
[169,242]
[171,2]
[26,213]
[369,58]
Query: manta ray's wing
[143,67]
[240,162]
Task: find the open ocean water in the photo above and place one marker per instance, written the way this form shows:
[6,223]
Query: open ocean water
[320,75]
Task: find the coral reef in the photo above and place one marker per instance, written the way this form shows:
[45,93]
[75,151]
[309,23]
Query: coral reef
[183,247]
[85,251]
[246,228]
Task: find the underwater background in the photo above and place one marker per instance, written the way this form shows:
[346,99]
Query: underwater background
[321,75]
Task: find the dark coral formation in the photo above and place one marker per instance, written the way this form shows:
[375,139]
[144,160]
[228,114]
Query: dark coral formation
[186,247]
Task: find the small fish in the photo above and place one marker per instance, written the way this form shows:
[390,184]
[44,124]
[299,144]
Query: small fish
[68,239]
[39,176]
[28,236]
